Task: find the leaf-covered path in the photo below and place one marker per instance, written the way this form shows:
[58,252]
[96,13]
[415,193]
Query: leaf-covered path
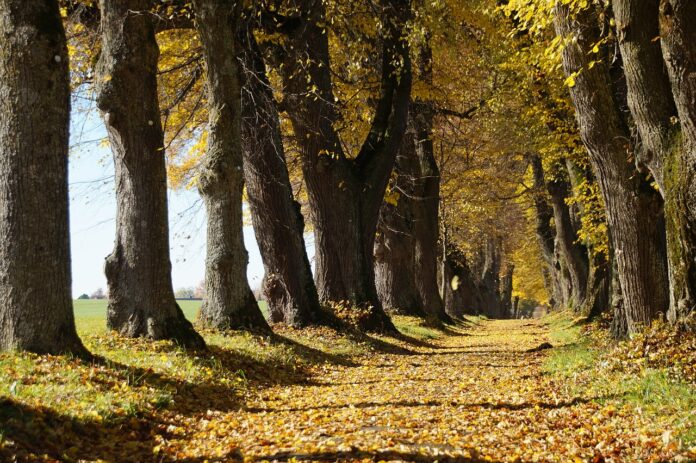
[476,394]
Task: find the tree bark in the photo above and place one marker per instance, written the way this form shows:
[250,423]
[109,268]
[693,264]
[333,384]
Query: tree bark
[651,98]
[36,312]
[407,242]
[230,303]
[619,321]
[599,277]
[288,286]
[489,278]
[574,255]
[546,235]
[634,210]
[138,271]
[427,188]
[395,261]
[506,293]
[345,195]
[678,35]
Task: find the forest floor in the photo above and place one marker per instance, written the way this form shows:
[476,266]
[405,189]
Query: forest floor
[480,391]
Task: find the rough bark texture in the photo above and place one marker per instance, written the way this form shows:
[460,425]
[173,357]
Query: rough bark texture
[634,213]
[671,159]
[230,303]
[546,234]
[138,271]
[619,321]
[427,197]
[407,243]
[288,286]
[345,194]
[574,254]
[599,276]
[36,312]
[395,261]
[678,36]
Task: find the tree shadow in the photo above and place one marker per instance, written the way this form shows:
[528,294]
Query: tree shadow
[356,454]
[359,405]
[381,381]
[28,433]
[186,397]
[434,403]
[310,354]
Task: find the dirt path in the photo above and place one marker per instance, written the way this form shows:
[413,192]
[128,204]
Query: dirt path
[473,395]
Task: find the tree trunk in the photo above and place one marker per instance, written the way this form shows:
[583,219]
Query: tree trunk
[461,296]
[506,293]
[288,287]
[230,304]
[619,321]
[599,278]
[36,312]
[678,35]
[574,255]
[634,211]
[138,271]
[426,220]
[651,98]
[427,198]
[395,264]
[345,195]
[489,278]
[407,248]
[546,234]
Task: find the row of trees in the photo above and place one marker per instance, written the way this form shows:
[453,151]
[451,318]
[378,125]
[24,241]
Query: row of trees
[614,206]
[345,194]
[425,142]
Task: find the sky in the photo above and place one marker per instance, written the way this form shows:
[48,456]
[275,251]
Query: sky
[93,212]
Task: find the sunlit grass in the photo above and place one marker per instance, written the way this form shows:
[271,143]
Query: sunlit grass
[591,364]
[415,327]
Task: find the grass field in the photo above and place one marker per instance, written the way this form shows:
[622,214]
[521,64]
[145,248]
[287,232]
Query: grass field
[90,314]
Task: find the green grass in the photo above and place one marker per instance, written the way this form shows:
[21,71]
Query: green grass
[90,314]
[137,377]
[414,327]
[585,366]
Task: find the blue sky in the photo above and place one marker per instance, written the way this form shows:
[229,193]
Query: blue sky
[93,209]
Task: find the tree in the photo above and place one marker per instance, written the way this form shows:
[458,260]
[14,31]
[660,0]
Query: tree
[574,255]
[184,293]
[230,303]
[83,296]
[98,294]
[395,260]
[36,312]
[288,286]
[634,209]
[661,91]
[138,271]
[554,279]
[199,292]
[427,192]
[506,303]
[345,194]
[677,18]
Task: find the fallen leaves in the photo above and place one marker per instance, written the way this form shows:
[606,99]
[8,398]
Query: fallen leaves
[468,395]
